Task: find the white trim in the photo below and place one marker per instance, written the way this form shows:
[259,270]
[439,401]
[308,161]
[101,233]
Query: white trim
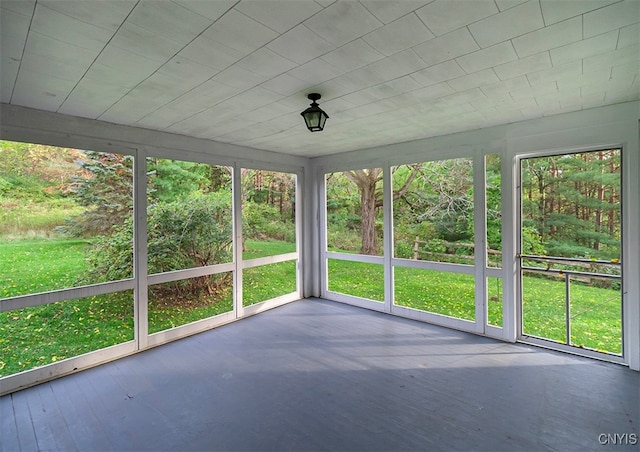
[323,228]
[298,218]
[38,299]
[271,303]
[176,275]
[387,219]
[558,346]
[492,272]
[480,239]
[356,301]
[432,265]
[140,264]
[436,319]
[197,326]
[32,377]
[354,257]
[38,126]
[493,331]
[260,261]
[236,181]
[510,184]
[631,248]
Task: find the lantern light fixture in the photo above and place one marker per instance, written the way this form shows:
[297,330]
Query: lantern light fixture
[314,116]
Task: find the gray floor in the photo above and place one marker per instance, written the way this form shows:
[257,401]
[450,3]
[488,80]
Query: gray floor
[316,375]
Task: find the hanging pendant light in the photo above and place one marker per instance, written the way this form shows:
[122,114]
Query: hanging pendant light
[314,116]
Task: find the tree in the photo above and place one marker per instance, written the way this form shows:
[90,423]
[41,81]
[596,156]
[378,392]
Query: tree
[371,198]
[181,235]
[106,190]
[573,202]
[171,180]
[442,195]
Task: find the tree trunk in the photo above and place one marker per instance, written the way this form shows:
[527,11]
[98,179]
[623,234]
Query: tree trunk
[369,236]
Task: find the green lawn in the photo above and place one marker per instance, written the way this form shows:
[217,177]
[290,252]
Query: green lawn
[32,337]
[32,266]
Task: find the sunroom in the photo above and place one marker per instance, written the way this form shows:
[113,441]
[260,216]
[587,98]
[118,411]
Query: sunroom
[478,170]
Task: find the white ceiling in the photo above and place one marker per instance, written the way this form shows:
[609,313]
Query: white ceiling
[388,71]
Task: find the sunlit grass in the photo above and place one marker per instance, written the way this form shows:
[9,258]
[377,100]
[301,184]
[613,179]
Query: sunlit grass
[450,294]
[357,278]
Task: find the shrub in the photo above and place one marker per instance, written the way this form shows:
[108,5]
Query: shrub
[181,234]
[261,221]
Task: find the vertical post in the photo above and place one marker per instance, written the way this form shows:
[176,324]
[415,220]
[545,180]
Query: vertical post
[141,297]
[297,196]
[321,197]
[387,219]
[512,290]
[237,240]
[480,240]
[567,306]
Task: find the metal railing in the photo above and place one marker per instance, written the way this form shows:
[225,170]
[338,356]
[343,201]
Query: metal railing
[568,273]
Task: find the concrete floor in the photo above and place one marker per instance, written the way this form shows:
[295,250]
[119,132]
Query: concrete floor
[318,375]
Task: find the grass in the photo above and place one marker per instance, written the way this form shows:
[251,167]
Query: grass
[267,281]
[33,337]
[40,335]
[20,217]
[32,266]
[431,290]
[357,278]
[595,312]
[596,318]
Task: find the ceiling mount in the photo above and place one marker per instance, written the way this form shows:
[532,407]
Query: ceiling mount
[314,116]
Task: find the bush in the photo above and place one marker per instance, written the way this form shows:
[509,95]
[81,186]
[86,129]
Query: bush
[403,250]
[532,242]
[261,221]
[181,234]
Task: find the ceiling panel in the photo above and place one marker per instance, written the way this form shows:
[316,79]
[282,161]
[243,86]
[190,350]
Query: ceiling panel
[402,34]
[278,15]
[507,24]
[442,16]
[239,71]
[343,22]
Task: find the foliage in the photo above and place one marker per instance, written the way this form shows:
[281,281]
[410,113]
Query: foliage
[261,221]
[35,184]
[180,235]
[531,241]
[106,190]
[172,180]
[573,201]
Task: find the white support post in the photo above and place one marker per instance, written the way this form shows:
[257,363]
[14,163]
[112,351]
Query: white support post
[480,240]
[141,297]
[630,247]
[510,222]
[298,196]
[387,218]
[237,240]
[310,230]
[321,196]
